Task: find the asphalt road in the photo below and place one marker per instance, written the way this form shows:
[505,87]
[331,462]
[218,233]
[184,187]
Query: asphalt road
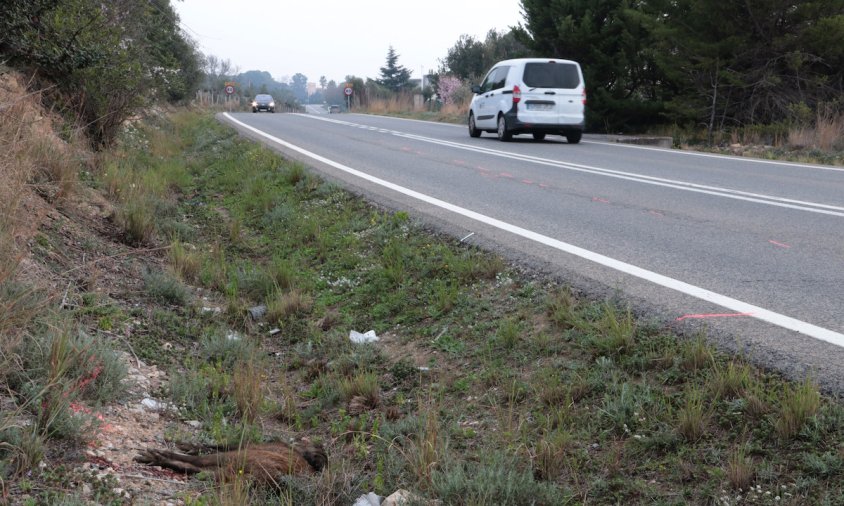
[751,251]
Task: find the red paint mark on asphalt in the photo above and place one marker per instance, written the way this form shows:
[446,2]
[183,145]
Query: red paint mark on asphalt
[543,185]
[506,174]
[406,150]
[711,315]
[599,199]
[527,181]
[656,213]
[781,245]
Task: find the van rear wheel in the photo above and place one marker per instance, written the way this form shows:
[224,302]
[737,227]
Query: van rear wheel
[504,134]
[574,137]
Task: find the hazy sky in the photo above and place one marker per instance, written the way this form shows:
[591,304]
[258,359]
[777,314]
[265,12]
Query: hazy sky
[333,38]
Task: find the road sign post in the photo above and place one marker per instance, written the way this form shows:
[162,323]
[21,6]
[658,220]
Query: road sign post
[348,91]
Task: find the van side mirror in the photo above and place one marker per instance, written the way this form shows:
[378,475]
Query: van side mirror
[476,89]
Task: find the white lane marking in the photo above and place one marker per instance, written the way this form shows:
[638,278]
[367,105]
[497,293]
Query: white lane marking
[736,305]
[715,155]
[661,150]
[730,193]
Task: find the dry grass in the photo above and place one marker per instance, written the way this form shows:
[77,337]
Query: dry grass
[396,104]
[21,127]
[826,134]
[363,388]
[551,453]
[731,381]
[428,450]
[696,354]
[286,304]
[184,262]
[739,470]
[693,417]
[248,388]
[799,404]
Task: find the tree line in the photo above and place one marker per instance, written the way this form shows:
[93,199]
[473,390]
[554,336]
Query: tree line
[715,64]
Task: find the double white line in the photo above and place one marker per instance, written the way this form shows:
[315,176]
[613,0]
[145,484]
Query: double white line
[657,181]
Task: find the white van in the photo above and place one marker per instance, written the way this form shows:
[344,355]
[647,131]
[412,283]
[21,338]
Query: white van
[536,96]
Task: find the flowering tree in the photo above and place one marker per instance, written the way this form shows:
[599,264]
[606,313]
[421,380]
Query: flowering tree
[449,87]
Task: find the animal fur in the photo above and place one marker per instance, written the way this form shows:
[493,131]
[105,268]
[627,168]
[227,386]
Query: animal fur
[263,462]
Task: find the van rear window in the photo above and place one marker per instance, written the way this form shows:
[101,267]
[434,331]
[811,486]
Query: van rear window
[551,75]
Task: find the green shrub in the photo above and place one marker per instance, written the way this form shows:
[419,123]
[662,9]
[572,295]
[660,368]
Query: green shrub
[496,479]
[166,289]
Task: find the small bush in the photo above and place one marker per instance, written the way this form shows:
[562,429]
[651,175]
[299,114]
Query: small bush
[509,333]
[619,408]
[166,289]
[294,174]
[64,366]
[496,479]
[562,310]
[23,448]
[227,349]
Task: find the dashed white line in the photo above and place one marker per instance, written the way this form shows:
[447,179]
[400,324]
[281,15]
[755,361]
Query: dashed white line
[757,198]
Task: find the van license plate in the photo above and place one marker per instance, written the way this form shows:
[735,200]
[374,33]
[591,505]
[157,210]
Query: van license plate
[540,107]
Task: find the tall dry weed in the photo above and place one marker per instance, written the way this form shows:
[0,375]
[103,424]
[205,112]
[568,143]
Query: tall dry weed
[17,113]
[827,133]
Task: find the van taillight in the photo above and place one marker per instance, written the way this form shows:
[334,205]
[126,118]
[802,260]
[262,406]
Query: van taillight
[517,94]
[584,96]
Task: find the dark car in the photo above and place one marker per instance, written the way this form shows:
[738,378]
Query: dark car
[263,102]
[333,108]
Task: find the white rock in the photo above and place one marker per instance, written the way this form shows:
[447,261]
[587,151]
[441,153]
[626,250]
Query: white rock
[152,404]
[401,497]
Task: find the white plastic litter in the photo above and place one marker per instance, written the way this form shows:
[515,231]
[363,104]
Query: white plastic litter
[366,337]
[370,499]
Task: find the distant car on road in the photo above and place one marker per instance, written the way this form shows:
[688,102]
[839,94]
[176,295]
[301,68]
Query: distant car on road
[263,102]
[333,108]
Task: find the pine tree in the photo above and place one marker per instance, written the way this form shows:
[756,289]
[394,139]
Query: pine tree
[394,76]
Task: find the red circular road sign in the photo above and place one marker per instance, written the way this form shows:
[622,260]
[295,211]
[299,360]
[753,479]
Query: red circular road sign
[229,90]
[348,91]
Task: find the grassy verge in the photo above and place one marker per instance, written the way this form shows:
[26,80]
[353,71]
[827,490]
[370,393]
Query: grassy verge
[486,387]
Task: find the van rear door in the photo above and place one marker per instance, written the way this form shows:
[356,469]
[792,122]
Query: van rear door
[553,92]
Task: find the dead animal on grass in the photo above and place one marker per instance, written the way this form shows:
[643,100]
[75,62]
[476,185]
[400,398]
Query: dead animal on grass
[265,463]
